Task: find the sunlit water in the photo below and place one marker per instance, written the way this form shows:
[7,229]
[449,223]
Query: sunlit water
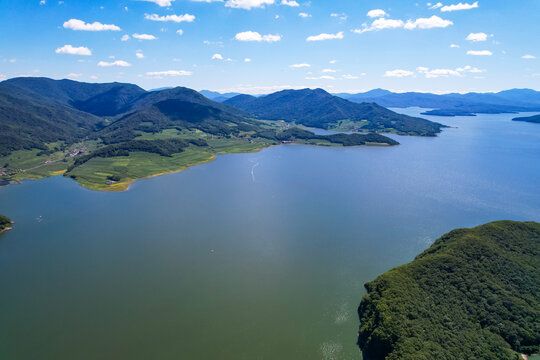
[251,256]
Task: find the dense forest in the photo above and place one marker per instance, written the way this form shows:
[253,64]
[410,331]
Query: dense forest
[474,294]
[4,222]
[318,108]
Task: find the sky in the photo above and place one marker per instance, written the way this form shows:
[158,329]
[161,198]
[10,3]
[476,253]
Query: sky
[262,46]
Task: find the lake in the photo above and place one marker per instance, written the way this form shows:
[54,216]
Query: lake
[251,256]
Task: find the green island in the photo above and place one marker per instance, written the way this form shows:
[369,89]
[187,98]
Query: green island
[5,223]
[474,294]
[105,136]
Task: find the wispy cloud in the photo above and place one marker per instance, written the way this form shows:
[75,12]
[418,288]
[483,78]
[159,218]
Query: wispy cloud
[528,57]
[255,36]
[325,36]
[291,3]
[144,36]
[175,18]
[479,52]
[398,73]
[162,3]
[120,63]
[162,74]
[248,4]
[302,65]
[460,6]
[420,23]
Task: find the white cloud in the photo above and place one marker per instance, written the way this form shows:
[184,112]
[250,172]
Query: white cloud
[144,36]
[175,18]
[428,23]
[73,76]
[75,24]
[333,61]
[324,77]
[139,54]
[398,73]
[421,23]
[290,3]
[435,73]
[217,57]
[207,1]
[304,15]
[120,63]
[247,60]
[302,65]
[477,37]
[125,37]
[328,70]
[2,77]
[162,74]
[42,2]
[324,36]
[375,13]
[248,4]
[161,3]
[528,56]
[460,6]
[180,32]
[479,52]
[454,46]
[255,36]
[436,6]
[71,50]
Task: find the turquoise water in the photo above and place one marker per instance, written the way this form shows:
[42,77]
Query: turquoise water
[251,256]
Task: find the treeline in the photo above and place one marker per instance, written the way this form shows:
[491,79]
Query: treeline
[355,139]
[4,222]
[474,294]
[161,147]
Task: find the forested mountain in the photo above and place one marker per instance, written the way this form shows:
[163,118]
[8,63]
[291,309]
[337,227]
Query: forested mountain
[318,108]
[507,101]
[531,119]
[474,294]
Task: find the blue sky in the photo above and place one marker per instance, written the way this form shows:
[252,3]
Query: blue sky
[260,46]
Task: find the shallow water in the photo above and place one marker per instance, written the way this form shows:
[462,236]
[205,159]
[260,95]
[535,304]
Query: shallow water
[251,256]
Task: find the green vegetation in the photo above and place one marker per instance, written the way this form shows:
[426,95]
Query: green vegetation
[474,294]
[107,135]
[317,108]
[5,223]
[531,119]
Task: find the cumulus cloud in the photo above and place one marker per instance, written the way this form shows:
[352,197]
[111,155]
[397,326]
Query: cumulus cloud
[217,57]
[324,36]
[420,23]
[175,18]
[125,37]
[255,36]
[460,6]
[161,3]
[375,13]
[162,74]
[304,15]
[72,50]
[120,63]
[290,3]
[248,4]
[435,73]
[302,65]
[427,23]
[528,56]
[144,36]
[477,37]
[398,73]
[75,24]
[479,52]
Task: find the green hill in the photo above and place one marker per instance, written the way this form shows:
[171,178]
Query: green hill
[317,108]
[5,222]
[474,294]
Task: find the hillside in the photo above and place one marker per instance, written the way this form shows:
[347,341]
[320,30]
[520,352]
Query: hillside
[454,104]
[474,294]
[5,222]
[317,108]
[531,119]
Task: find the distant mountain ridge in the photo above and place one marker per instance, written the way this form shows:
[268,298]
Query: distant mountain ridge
[508,101]
[318,108]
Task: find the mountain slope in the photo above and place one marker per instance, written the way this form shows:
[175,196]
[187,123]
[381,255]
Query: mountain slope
[474,294]
[531,119]
[317,108]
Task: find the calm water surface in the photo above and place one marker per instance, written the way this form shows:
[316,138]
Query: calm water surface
[252,256]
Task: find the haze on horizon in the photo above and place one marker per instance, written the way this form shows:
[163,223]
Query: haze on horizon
[261,46]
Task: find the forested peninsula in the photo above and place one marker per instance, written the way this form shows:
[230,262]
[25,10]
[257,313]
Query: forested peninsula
[474,294]
[5,223]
